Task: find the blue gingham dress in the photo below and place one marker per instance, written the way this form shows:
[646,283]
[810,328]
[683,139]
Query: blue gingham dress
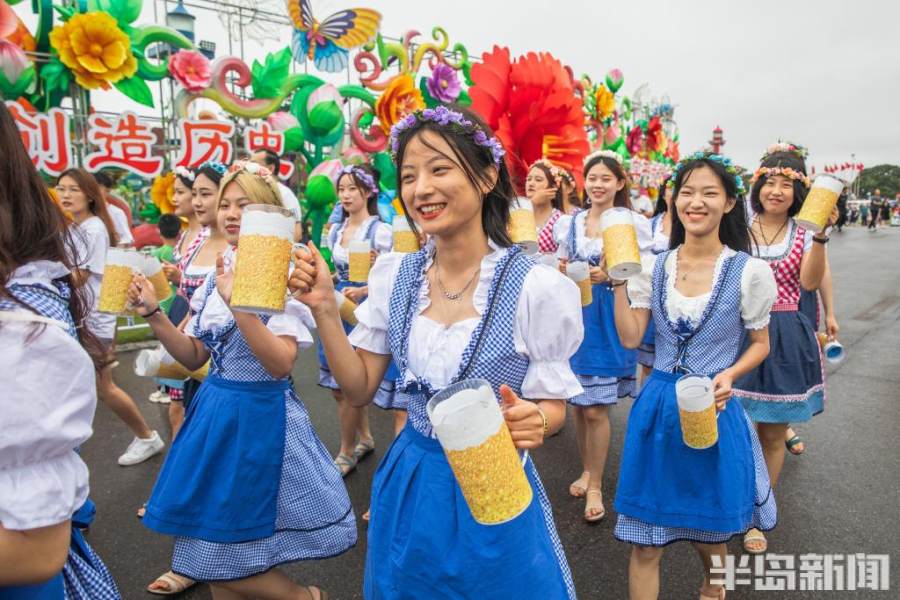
[84,576]
[387,396]
[314,516]
[714,347]
[601,347]
[646,351]
[409,527]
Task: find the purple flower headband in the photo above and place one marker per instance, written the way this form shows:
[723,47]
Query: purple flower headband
[444,116]
[367,180]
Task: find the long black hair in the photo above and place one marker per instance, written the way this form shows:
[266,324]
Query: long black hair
[623,196]
[210,172]
[783,160]
[476,161]
[733,229]
[661,207]
[372,198]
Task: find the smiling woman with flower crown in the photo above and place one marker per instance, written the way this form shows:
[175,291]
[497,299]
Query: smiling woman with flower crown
[468,305]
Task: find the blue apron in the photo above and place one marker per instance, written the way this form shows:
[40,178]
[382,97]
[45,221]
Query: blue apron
[220,480]
[600,354]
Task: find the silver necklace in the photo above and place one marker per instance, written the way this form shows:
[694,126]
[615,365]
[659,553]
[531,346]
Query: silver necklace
[452,296]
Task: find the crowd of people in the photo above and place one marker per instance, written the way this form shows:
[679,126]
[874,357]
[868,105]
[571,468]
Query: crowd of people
[729,288]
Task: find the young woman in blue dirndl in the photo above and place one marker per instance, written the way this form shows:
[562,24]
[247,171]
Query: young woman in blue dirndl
[357,187]
[605,369]
[788,387]
[660,230]
[247,485]
[49,394]
[702,295]
[468,305]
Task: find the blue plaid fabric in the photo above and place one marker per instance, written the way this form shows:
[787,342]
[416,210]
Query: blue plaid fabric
[53,304]
[490,355]
[572,245]
[314,517]
[687,345]
[765,513]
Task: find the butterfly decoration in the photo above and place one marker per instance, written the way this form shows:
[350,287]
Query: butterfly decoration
[327,43]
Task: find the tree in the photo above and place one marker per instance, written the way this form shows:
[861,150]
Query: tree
[883,177]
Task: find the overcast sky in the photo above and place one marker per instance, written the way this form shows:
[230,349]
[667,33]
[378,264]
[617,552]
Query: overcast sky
[823,73]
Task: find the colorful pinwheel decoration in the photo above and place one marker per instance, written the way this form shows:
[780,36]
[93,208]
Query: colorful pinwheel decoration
[327,43]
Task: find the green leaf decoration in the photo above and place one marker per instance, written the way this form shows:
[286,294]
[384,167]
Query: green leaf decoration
[325,117]
[56,76]
[11,90]
[65,12]
[293,139]
[385,165]
[430,102]
[125,12]
[136,89]
[267,78]
[464,98]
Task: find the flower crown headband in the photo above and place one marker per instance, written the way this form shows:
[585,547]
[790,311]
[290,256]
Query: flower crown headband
[215,166]
[185,173]
[795,149]
[785,171]
[456,120]
[730,168]
[250,167]
[603,154]
[367,180]
[555,171]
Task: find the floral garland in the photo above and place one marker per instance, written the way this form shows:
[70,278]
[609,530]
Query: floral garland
[367,180]
[603,154]
[785,171]
[185,173]
[730,168]
[215,165]
[444,116]
[250,167]
[555,171]
[795,149]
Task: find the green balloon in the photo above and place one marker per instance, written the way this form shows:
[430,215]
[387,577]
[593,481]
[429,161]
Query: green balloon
[325,117]
[320,193]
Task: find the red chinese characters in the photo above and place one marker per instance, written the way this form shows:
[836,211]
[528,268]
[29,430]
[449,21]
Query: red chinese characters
[205,140]
[262,137]
[125,142]
[46,136]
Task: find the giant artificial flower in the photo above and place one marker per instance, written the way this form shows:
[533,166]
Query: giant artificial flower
[531,105]
[163,191]
[604,101]
[400,98]
[93,47]
[12,56]
[443,85]
[282,121]
[191,69]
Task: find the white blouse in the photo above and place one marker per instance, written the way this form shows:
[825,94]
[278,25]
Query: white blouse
[91,243]
[46,410]
[296,321]
[383,242]
[590,246]
[758,290]
[778,249]
[548,327]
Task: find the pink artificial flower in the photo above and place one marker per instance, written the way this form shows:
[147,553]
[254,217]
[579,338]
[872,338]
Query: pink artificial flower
[191,69]
[331,168]
[282,121]
[8,20]
[12,61]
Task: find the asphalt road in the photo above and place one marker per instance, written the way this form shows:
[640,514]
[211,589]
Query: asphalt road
[841,497]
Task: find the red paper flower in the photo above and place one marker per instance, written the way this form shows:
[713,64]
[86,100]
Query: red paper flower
[531,105]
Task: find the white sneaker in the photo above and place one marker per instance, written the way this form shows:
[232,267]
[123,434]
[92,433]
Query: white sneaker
[164,398]
[140,450]
[155,396]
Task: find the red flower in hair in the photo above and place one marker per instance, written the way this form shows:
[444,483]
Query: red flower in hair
[531,105]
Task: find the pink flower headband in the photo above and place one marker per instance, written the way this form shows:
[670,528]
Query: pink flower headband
[784,171]
[555,171]
[250,167]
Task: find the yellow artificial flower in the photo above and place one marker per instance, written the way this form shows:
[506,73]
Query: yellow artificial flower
[400,98]
[93,47]
[162,191]
[604,101]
